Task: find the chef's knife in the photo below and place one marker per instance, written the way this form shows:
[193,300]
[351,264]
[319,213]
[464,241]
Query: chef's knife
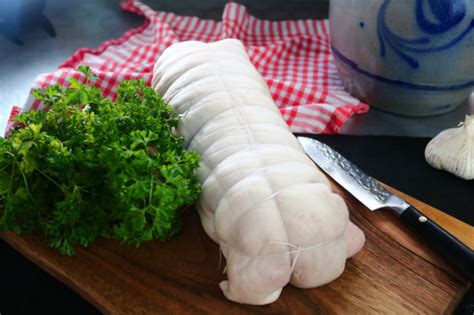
[374,196]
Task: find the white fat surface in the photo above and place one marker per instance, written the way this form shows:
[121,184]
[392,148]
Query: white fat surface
[266,204]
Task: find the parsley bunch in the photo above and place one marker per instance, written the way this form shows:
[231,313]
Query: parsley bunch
[90,167]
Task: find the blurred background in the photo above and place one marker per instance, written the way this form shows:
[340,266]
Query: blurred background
[36,36]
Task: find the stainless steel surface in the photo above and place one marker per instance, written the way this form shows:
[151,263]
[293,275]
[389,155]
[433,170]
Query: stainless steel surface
[78,24]
[377,122]
[365,188]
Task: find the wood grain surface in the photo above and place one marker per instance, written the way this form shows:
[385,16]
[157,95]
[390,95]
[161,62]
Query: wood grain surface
[394,273]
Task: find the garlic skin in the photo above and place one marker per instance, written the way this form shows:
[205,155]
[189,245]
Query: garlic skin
[452,150]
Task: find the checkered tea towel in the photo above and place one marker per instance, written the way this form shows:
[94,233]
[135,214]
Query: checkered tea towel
[294,58]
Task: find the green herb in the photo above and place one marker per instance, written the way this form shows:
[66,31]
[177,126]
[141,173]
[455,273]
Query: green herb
[90,167]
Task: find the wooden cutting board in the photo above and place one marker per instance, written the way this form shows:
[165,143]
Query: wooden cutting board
[394,273]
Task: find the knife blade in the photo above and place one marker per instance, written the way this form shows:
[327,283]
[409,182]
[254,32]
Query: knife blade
[374,196]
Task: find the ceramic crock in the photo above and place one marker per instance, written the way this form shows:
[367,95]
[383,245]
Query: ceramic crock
[411,57]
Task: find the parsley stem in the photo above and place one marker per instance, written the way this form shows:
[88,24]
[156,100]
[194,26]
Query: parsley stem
[50,179]
[150,197]
[22,174]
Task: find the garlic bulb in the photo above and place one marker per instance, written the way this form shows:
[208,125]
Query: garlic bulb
[453,150]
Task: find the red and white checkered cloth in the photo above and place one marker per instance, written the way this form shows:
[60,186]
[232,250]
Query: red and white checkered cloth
[294,58]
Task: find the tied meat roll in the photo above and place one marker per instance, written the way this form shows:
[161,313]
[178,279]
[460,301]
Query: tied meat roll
[264,202]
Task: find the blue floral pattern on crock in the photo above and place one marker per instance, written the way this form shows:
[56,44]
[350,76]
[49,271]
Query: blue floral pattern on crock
[448,14]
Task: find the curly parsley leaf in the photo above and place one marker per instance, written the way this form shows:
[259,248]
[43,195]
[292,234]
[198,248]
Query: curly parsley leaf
[90,167]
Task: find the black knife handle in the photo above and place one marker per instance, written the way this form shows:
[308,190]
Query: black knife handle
[454,251]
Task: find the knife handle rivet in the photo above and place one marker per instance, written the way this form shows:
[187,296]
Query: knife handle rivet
[422,219]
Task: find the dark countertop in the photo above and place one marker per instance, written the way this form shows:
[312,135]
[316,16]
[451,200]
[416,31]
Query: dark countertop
[397,161]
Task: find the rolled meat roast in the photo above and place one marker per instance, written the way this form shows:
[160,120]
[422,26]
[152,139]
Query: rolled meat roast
[264,202]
